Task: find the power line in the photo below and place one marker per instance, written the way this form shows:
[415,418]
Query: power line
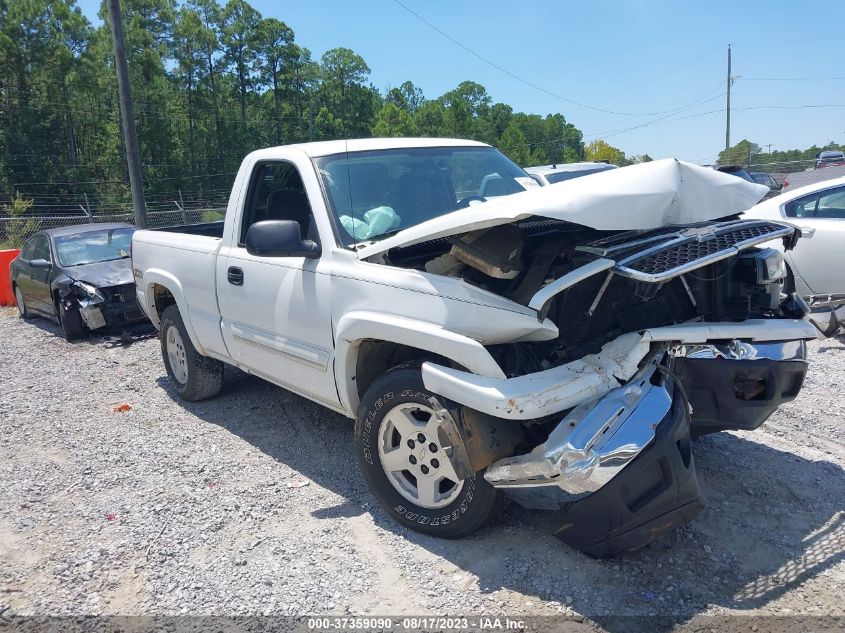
[792,107]
[517,77]
[655,78]
[792,78]
[97,182]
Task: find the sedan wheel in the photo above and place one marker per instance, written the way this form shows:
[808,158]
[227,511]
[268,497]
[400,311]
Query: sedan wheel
[19,300]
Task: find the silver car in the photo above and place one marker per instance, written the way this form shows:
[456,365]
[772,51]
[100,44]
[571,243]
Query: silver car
[816,266]
[550,174]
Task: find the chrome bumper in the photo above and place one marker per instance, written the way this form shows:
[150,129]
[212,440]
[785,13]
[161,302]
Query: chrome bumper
[599,438]
[744,350]
[595,441]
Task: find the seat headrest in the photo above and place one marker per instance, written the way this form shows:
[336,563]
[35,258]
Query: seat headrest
[289,204]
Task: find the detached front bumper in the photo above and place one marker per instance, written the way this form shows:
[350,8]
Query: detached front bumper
[620,467]
[592,444]
[650,491]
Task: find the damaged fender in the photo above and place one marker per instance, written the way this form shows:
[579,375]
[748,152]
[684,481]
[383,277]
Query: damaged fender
[536,395]
[78,295]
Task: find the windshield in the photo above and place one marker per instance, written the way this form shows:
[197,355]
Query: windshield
[374,194]
[560,176]
[93,246]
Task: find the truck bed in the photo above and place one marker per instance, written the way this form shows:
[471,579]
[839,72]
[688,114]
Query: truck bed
[208,229]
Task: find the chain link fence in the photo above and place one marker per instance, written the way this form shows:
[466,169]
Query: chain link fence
[22,216]
[797,173]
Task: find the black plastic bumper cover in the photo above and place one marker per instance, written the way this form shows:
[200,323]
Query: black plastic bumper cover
[737,394]
[654,494]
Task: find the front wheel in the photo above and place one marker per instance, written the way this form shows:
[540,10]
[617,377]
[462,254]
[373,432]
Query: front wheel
[71,321]
[194,376]
[407,468]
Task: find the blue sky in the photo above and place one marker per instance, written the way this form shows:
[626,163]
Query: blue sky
[640,58]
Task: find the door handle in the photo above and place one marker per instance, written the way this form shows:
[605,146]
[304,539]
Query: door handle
[235,276]
[807,231]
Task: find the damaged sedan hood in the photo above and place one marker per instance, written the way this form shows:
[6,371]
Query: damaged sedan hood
[115,272]
[640,197]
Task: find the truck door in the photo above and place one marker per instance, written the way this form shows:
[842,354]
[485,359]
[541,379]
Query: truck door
[276,311]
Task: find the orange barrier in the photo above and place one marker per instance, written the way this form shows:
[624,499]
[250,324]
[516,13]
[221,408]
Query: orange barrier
[7,298]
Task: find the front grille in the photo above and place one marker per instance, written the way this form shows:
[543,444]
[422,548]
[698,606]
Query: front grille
[698,248]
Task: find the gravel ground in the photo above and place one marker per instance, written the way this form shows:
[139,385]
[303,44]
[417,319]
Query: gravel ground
[252,503]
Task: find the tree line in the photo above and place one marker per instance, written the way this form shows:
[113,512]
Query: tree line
[751,155]
[210,83]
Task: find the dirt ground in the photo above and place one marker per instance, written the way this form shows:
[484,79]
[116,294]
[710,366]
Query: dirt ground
[252,503]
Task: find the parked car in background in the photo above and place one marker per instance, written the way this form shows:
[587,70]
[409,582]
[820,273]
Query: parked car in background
[557,345]
[829,158]
[768,180]
[550,174]
[80,276]
[735,170]
[762,178]
[816,265]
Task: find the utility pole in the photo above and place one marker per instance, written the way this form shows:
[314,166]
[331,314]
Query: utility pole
[728,107]
[127,115]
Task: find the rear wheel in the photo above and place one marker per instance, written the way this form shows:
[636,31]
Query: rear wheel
[194,376]
[22,309]
[407,468]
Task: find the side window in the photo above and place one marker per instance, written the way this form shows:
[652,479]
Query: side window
[832,204]
[42,248]
[28,249]
[803,207]
[276,192]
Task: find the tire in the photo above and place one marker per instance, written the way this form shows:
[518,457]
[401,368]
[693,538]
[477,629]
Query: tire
[23,311]
[194,376]
[393,416]
[71,321]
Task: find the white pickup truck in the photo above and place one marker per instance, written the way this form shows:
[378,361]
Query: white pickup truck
[556,345]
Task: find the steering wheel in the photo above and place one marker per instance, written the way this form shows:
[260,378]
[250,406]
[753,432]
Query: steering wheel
[464,202]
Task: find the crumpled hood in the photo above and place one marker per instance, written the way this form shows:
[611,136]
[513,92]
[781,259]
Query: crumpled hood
[640,197]
[116,272]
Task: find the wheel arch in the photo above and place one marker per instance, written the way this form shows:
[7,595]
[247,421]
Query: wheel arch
[160,290]
[368,344]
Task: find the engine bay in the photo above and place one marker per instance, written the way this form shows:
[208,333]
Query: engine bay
[707,272]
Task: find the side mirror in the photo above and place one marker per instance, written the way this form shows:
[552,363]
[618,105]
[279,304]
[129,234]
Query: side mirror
[279,238]
[40,263]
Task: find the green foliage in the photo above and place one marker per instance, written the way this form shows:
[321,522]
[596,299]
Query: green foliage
[212,215]
[393,121]
[739,154]
[19,228]
[747,153]
[212,80]
[601,150]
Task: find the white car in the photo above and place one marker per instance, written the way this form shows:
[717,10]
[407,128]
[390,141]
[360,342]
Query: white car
[533,345]
[550,174]
[816,264]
